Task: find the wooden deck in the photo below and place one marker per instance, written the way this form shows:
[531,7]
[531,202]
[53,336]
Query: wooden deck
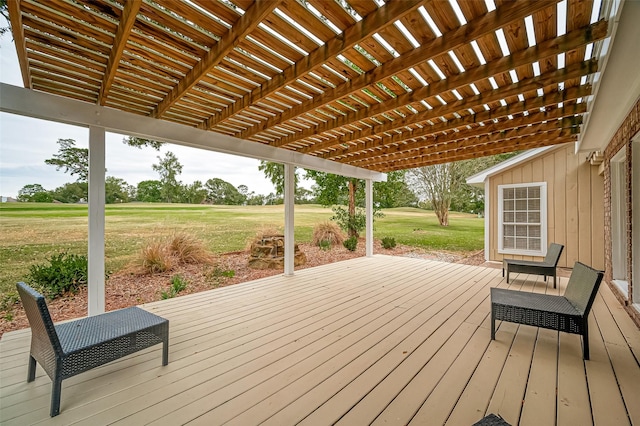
[382,340]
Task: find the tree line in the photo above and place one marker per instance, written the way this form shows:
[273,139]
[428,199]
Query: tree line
[439,187]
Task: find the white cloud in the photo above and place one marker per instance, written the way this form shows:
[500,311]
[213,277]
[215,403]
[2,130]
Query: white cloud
[26,142]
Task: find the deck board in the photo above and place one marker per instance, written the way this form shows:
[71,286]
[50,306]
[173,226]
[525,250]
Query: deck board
[381,340]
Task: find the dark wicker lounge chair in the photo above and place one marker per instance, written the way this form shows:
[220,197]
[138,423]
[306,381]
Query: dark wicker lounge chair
[547,267]
[71,348]
[566,313]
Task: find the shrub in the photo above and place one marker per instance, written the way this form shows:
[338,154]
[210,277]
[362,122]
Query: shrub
[177,285]
[327,232]
[388,242]
[64,273]
[156,257]
[351,243]
[325,245]
[188,249]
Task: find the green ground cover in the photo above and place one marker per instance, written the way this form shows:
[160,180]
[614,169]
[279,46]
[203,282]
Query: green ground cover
[31,232]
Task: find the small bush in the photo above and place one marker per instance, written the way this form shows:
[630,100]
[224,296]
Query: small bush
[218,275]
[325,245]
[351,243]
[156,257]
[177,285]
[64,273]
[388,242]
[327,232]
[188,249]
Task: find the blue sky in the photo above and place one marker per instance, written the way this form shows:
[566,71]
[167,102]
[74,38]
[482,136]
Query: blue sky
[26,142]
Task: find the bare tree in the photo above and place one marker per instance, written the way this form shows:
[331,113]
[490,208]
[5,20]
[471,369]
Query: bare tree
[437,183]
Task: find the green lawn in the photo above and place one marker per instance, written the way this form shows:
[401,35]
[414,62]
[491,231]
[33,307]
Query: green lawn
[32,232]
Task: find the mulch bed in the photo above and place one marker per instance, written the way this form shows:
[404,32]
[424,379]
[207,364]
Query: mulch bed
[130,287]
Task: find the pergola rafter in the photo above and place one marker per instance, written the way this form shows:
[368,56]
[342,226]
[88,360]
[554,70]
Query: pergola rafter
[378,85]
[473,30]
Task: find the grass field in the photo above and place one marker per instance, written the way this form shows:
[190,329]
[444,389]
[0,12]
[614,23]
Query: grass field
[31,232]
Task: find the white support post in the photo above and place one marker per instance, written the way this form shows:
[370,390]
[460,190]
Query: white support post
[369,220]
[289,208]
[96,220]
[487,222]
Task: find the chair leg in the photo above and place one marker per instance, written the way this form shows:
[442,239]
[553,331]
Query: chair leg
[585,341]
[165,351]
[31,375]
[507,275]
[493,324]
[555,276]
[56,390]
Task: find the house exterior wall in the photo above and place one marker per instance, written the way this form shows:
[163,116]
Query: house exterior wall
[575,208]
[623,138]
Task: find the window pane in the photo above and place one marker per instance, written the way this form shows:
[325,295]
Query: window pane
[534,192]
[521,192]
[534,244]
[521,217]
[534,204]
[534,231]
[509,230]
[509,205]
[509,243]
[521,244]
[521,205]
[509,217]
[521,230]
[534,217]
[508,193]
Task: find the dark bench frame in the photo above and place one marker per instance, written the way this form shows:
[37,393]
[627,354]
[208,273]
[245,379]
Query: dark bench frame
[67,349]
[566,313]
[547,267]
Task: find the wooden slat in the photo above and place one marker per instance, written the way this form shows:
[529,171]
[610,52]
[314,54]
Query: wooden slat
[245,25]
[127,21]
[383,340]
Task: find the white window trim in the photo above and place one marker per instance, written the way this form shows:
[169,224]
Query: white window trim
[543,220]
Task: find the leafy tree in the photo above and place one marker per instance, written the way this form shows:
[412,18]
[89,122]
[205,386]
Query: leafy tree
[34,193]
[222,192]
[116,190]
[169,168]
[141,143]
[149,191]
[4,11]
[275,173]
[256,199]
[195,193]
[394,192]
[73,192]
[73,160]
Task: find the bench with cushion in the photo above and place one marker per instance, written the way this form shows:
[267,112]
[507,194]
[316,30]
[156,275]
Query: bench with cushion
[547,267]
[566,313]
[67,349]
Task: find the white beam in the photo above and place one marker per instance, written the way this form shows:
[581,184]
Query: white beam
[16,100]
[369,219]
[95,285]
[289,209]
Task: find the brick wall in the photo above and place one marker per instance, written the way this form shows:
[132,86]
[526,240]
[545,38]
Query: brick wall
[622,138]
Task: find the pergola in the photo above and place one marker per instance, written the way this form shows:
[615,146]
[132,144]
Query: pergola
[353,87]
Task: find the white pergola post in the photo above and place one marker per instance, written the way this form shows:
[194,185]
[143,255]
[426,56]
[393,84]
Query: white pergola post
[289,208]
[96,220]
[369,220]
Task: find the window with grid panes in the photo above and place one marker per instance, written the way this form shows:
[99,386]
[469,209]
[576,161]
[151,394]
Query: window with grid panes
[522,211]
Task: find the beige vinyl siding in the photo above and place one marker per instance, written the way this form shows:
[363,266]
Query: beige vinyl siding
[575,211]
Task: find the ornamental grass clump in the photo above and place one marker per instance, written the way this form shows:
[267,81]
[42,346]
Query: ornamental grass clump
[188,249]
[179,249]
[327,234]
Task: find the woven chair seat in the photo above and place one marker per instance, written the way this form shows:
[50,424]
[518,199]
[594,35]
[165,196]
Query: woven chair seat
[566,313]
[67,349]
